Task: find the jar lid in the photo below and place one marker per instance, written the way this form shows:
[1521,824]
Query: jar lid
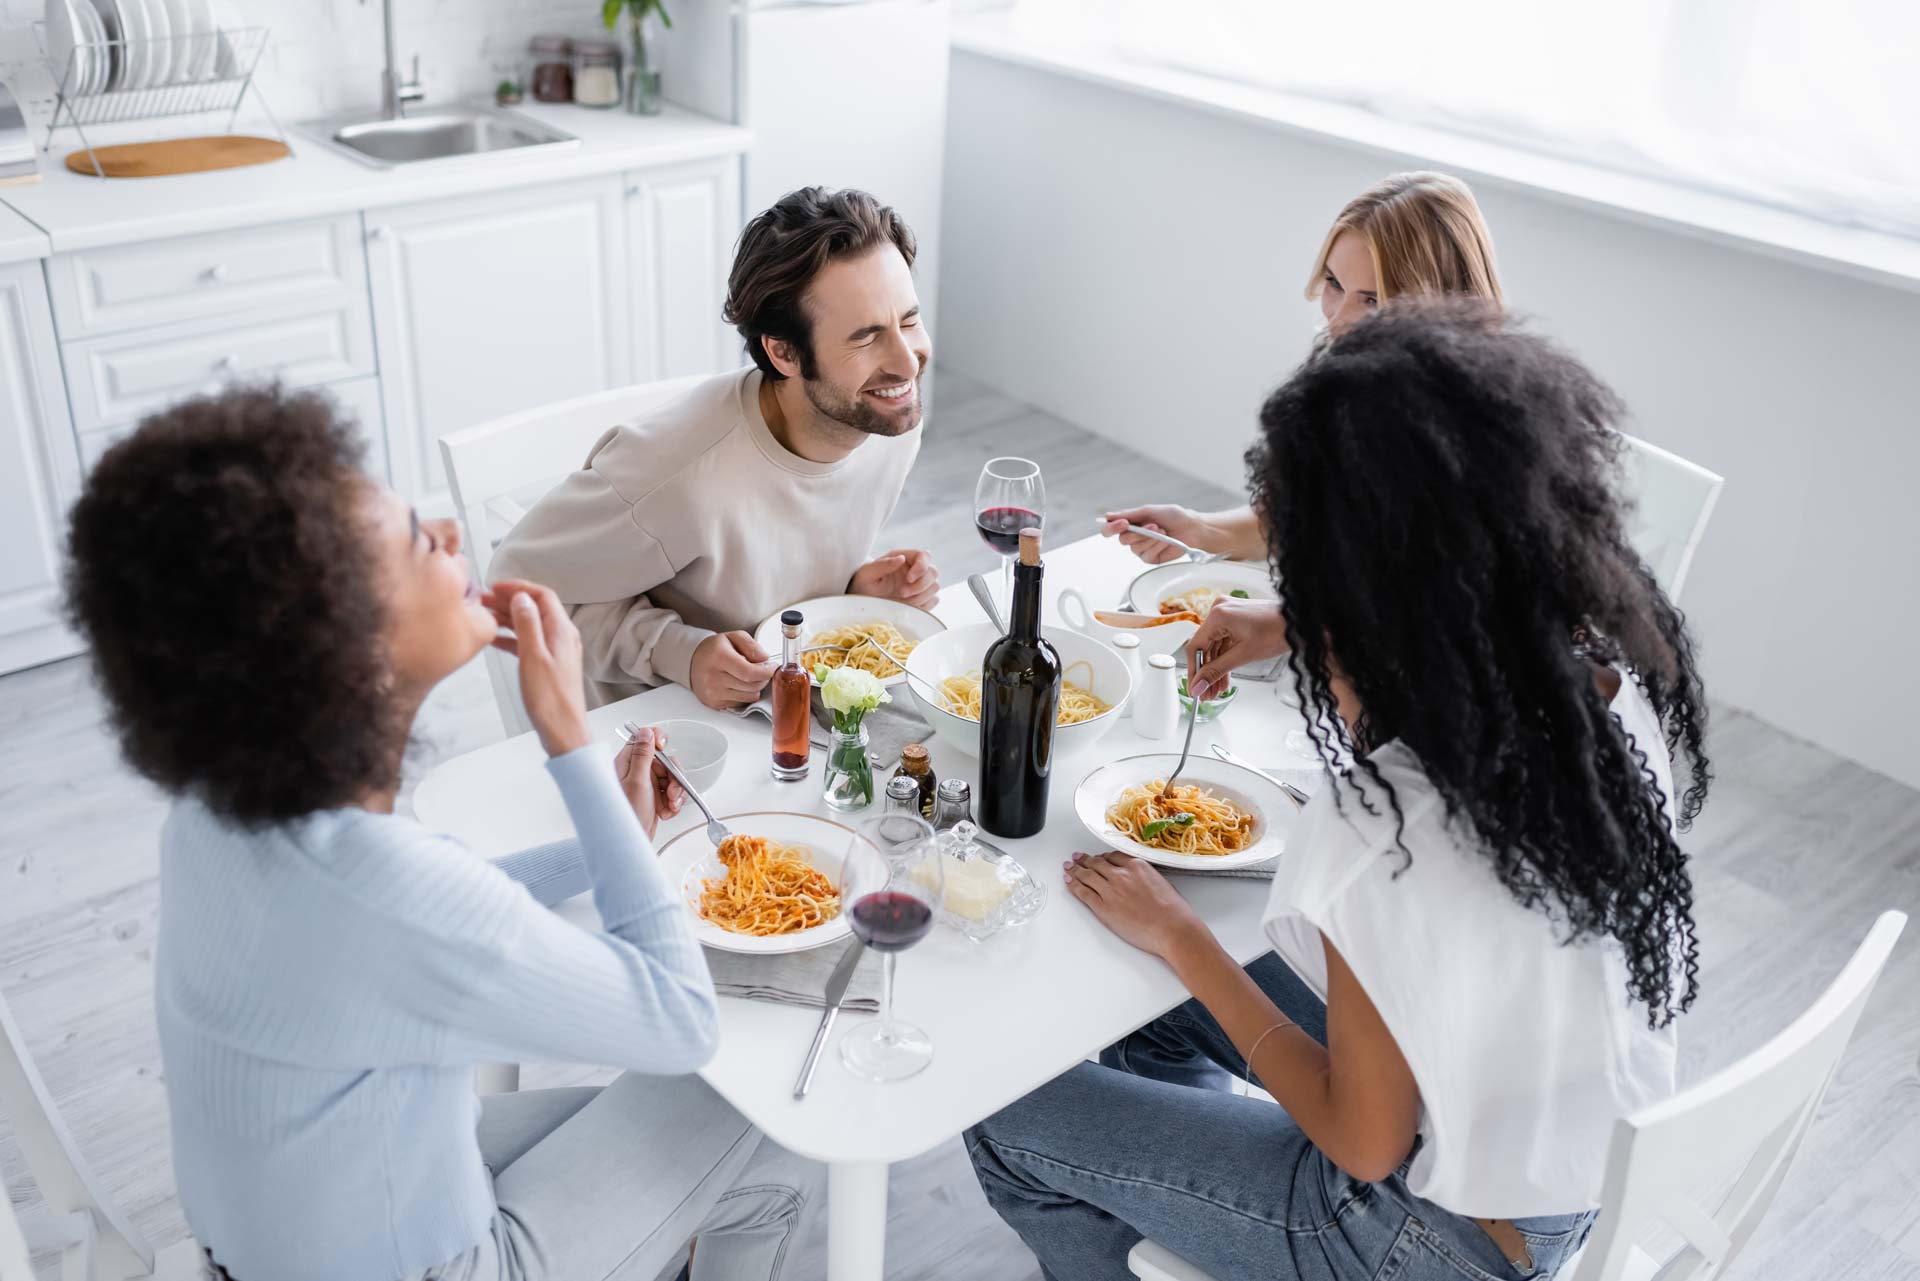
[954,789]
[550,44]
[1126,640]
[1163,662]
[914,757]
[791,618]
[597,48]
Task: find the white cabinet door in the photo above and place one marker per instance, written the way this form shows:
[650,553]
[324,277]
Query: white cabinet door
[488,305]
[39,473]
[682,221]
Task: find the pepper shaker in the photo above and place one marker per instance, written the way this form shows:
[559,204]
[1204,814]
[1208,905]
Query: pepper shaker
[1157,714]
[1127,645]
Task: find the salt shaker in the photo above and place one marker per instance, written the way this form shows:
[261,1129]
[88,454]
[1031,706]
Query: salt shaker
[1156,713]
[1127,645]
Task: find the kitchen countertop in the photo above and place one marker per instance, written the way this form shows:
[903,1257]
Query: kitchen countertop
[20,240]
[76,212]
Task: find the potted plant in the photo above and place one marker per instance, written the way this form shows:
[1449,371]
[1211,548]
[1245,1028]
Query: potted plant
[643,82]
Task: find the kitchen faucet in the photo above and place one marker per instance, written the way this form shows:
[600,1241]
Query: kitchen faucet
[395,92]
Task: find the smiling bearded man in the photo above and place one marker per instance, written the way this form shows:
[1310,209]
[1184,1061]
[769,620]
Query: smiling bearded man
[760,487]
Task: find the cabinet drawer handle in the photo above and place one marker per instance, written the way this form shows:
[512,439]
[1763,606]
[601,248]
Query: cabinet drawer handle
[381,233]
[226,364]
[217,274]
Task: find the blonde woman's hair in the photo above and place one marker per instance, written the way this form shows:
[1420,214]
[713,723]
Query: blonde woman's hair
[1426,236]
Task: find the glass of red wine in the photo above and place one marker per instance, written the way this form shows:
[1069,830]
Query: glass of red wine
[889,885]
[1010,497]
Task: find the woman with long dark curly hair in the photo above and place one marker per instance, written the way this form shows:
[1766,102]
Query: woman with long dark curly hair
[1483,927]
[266,622]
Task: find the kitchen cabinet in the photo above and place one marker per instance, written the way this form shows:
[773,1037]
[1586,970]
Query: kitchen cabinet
[682,221]
[39,473]
[487,305]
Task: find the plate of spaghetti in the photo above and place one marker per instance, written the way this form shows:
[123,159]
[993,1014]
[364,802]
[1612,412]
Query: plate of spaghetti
[772,886]
[874,635]
[1178,585]
[1215,816]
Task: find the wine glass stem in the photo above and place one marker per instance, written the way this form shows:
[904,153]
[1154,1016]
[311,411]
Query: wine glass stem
[886,997]
[1006,576]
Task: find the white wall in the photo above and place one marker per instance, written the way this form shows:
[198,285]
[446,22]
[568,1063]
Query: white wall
[1136,267]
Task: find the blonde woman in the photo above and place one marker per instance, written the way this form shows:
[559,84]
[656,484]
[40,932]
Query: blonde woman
[1413,234]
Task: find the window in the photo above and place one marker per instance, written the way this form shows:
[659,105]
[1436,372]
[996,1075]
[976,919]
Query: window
[1808,106]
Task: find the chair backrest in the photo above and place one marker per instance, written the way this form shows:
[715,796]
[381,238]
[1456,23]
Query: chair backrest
[1750,1116]
[14,1263]
[58,1170]
[1673,499]
[487,465]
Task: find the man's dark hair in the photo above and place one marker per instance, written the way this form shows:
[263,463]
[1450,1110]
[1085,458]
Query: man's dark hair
[784,248]
[1440,495]
[220,568]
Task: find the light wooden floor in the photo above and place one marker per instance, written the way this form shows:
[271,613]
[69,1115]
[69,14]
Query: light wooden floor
[1795,854]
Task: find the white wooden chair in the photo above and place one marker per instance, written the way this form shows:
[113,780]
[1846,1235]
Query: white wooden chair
[488,465]
[96,1242]
[1749,1117]
[1673,499]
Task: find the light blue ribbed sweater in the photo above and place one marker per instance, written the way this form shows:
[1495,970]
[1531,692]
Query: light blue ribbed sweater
[325,987]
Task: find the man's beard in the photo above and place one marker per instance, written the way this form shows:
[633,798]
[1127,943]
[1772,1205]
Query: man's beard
[856,411]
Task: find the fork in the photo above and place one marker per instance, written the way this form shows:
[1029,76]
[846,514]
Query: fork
[1193,714]
[716,830]
[1194,554]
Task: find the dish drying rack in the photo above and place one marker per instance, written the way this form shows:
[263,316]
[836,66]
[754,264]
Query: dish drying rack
[234,54]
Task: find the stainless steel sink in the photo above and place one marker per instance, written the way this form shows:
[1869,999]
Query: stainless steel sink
[437,133]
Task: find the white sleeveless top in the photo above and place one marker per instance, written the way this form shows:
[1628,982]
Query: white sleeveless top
[1525,1050]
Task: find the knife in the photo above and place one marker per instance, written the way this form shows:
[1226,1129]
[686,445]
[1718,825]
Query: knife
[836,993]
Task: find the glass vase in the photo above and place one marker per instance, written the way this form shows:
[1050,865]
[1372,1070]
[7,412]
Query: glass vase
[849,770]
[643,82]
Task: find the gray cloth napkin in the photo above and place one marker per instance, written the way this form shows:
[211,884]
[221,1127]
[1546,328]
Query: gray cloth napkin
[794,978]
[890,726]
[1308,781]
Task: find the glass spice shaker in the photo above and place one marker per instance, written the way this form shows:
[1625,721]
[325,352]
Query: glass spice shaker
[918,766]
[903,796]
[953,804]
[596,73]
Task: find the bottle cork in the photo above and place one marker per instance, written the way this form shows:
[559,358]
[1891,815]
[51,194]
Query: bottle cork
[1029,546]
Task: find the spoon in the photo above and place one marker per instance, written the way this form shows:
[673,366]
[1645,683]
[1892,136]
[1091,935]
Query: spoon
[1294,794]
[978,582]
[1194,554]
[1113,618]
[716,830]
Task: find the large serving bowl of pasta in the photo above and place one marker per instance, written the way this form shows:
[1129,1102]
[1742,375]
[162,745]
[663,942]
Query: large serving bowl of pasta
[945,671]
[772,886]
[1216,816]
[877,634]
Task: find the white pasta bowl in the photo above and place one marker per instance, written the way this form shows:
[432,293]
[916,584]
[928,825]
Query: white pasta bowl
[958,651]
[1273,813]
[689,860]
[824,613]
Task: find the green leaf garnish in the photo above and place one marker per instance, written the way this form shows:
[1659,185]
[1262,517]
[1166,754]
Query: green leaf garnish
[1241,593]
[1159,825]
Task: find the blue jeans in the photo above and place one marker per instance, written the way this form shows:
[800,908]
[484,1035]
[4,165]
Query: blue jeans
[1107,1153]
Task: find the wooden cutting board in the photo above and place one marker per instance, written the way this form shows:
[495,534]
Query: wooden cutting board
[178,155]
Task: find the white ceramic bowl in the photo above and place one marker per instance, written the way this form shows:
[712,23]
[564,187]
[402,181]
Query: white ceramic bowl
[824,613]
[690,860]
[1272,812]
[699,749]
[958,652]
[1172,579]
